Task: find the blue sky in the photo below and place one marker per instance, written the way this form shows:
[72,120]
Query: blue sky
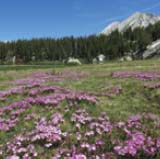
[21,19]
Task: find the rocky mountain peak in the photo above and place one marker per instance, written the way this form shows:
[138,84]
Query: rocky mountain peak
[136,20]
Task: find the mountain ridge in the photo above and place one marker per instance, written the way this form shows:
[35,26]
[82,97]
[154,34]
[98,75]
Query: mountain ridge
[136,20]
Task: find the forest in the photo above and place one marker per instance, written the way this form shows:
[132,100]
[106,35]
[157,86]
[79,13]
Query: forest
[113,46]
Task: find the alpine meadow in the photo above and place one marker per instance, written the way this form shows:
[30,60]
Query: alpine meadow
[87,94]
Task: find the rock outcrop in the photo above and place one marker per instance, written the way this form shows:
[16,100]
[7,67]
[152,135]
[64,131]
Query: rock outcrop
[152,50]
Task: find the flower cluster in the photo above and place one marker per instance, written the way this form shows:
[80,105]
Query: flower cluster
[17,90]
[152,85]
[69,130]
[94,137]
[58,95]
[39,78]
[108,93]
[47,131]
[90,130]
[137,74]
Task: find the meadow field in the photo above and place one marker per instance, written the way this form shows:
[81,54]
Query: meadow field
[105,111]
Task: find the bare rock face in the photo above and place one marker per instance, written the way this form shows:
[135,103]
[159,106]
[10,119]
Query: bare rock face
[152,50]
[136,20]
[110,28]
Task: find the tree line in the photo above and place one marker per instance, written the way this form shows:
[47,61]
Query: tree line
[113,46]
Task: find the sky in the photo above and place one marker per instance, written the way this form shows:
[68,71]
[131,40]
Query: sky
[26,19]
